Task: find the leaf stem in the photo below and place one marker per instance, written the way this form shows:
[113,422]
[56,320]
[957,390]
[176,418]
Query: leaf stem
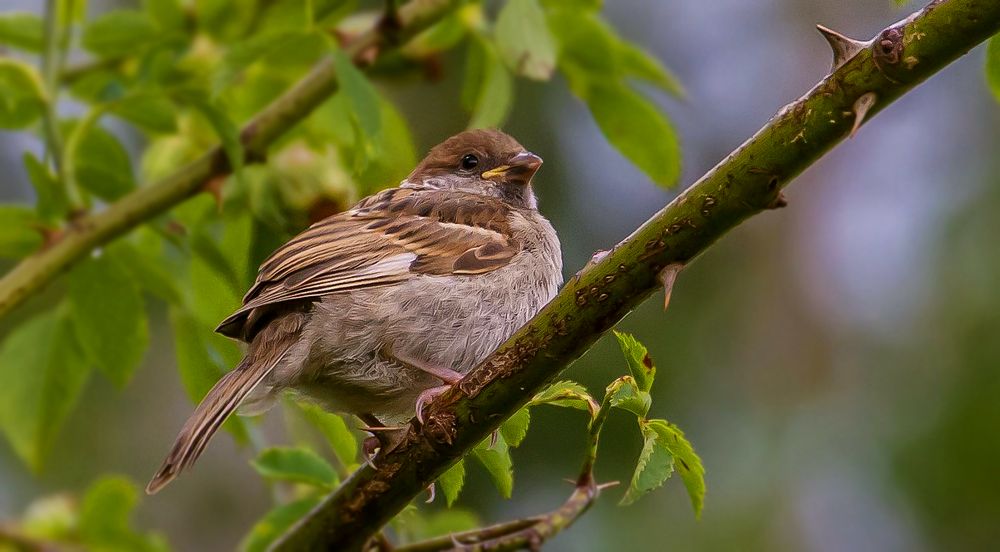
[56,43]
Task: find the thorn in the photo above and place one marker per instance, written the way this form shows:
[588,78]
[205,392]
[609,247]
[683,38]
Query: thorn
[608,485]
[493,438]
[860,108]
[431,492]
[844,48]
[214,188]
[667,277]
[779,201]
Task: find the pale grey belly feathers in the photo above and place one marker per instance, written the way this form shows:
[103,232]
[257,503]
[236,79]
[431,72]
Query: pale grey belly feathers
[344,359]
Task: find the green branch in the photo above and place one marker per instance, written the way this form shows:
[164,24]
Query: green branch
[747,182]
[89,232]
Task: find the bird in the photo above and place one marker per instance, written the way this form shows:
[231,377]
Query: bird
[376,310]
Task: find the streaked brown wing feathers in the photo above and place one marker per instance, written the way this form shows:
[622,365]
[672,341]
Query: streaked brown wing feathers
[383,240]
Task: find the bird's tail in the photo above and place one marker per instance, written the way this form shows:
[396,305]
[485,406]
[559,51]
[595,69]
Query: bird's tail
[213,410]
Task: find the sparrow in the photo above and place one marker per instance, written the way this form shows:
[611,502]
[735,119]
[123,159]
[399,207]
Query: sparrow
[376,310]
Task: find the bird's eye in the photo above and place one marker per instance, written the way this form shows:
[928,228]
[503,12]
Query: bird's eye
[469,162]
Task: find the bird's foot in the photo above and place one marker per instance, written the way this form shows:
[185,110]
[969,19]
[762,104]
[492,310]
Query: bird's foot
[427,396]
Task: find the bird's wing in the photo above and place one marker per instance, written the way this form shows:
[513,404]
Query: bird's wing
[385,239]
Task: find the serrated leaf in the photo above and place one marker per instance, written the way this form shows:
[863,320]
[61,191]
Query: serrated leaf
[640,365]
[297,464]
[524,41]
[274,524]
[334,428]
[152,112]
[636,129]
[452,481]
[22,30]
[624,393]
[19,235]
[106,518]
[488,90]
[118,33]
[686,461]
[636,62]
[993,66]
[655,466]
[515,428]
[22,101]
[100,163]
[567,394]
[109,316]
[43,372]
[52,204]
[496,459]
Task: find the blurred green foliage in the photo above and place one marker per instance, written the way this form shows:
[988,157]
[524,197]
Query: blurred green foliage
[184,74]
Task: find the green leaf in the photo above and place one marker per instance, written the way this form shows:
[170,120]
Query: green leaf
[118,33]
[654,467]
[335,429]
[152,112]
[363,100]
[488,90]
[22,30]
[274,524]
[452,481]
[200,360]
[396,153]
[993,66]
[441,36]
[225,128]
[22,101]
[640,365]
[109,316]
[19,235]
[297,464]
[43,372]
[496,460]
[567,394]
[582,5]
[100,163]
[52,204]
[624,393]
[687,463]
[524,40]
[587,47]
[636,128]
[638,63]
[515,428]
[240,56]
[106,518]
[167,14]
[146,268]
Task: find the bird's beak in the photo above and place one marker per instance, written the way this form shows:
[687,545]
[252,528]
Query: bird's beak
[519,169]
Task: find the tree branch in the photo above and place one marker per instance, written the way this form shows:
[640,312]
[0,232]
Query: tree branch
[747,182]
[145,203]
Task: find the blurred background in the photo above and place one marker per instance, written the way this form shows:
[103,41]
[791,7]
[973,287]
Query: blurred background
[835,363]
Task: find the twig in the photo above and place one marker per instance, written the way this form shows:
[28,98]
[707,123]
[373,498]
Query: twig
[747,182]
[91,231]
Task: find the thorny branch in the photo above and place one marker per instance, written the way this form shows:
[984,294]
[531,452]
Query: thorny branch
[747,182]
